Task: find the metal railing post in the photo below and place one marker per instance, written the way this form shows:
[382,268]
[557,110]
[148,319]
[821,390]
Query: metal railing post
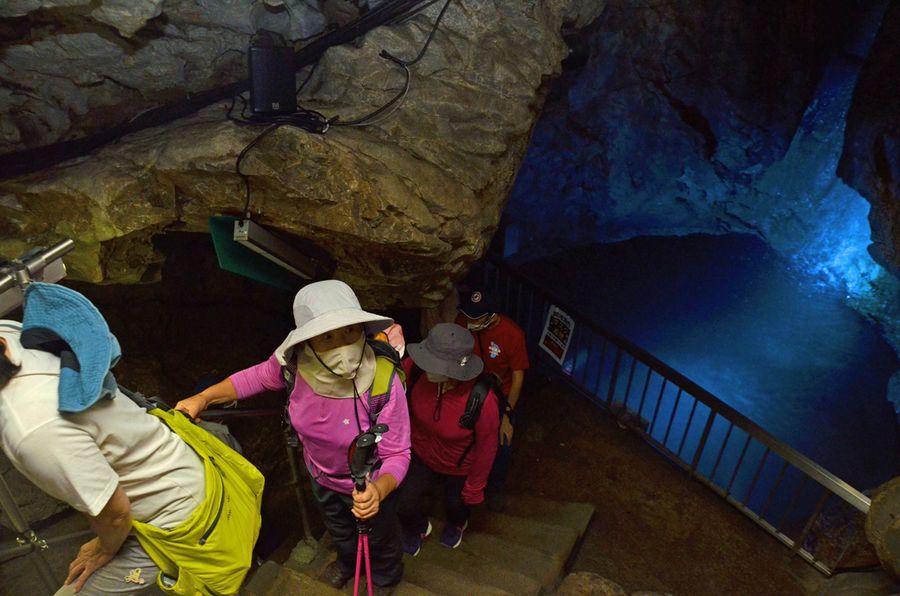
[27,537]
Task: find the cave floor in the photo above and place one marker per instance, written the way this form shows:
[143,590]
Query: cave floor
[653,528]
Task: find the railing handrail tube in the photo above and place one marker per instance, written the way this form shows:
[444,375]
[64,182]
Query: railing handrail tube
[815,471]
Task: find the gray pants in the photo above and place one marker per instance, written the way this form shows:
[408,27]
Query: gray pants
[110,579]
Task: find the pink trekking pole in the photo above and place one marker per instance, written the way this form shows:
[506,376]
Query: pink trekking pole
[362,458]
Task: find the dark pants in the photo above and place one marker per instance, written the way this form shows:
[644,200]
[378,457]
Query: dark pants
[418,480]
[500,469]
[385,547]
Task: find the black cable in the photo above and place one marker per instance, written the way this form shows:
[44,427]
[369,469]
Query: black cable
[315,122]
[308,77]
[308,120]
[368,119]
[24,161]
[437,22]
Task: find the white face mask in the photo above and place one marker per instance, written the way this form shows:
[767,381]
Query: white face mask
[436,378]
[344,361]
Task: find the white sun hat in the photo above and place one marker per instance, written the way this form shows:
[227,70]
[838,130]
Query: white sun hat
[325,306]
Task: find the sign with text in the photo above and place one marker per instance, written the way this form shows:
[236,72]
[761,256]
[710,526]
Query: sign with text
[557,334]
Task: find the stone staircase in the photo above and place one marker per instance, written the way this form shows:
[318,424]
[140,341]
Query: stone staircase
[523,551]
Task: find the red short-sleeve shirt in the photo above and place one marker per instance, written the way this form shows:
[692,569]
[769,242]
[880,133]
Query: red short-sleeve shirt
[502,347]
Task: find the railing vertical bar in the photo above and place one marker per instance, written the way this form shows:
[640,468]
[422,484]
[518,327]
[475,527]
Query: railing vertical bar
[596,390]
[519,301]
[765,507]
[687,428]
[710,420]
[800,486]
[588,360]
[840,557]
[529,314]
[759,470]
[722,450]
[509,280]
[628,385]
[672,416]
[662,391]
[644,392]
[738,465]
[614,378]
[798,544]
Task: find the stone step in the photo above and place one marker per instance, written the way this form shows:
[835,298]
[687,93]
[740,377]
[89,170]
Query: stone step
[479,570]
[561,513]
[494,551]
[442,579]
[551,539]
[274,580]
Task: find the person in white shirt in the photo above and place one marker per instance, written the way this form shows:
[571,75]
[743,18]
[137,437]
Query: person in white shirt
[113,462]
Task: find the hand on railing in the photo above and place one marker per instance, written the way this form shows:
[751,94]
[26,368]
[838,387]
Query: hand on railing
[192,406]
[221,393]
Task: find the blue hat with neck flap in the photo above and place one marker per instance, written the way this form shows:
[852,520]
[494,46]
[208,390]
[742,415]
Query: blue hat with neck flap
[87,349]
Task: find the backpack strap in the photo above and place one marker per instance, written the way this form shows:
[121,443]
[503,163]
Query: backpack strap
[477,396]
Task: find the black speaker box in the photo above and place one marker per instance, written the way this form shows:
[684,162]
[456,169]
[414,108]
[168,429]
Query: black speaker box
[272,81]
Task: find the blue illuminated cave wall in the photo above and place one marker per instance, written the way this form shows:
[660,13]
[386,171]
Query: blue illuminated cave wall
[727,120]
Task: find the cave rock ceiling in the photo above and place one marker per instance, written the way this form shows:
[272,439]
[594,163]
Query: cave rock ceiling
[668,116]
[402,206]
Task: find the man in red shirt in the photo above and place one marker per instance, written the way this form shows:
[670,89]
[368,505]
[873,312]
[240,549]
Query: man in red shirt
[500,343]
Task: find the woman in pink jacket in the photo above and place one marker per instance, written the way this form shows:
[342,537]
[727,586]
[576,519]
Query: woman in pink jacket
[329,407]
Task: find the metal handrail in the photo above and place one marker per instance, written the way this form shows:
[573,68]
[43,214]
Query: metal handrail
[717,409]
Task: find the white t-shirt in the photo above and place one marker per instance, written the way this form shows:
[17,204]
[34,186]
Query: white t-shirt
[81,458]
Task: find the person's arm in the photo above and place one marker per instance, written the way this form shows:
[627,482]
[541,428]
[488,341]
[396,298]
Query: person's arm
[112,526]
[366,504]
[221,393]
[250,381]
[506,427]
[394,452]
[483,452]
[515,389]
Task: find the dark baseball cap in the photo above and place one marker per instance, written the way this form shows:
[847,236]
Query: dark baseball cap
[474,303]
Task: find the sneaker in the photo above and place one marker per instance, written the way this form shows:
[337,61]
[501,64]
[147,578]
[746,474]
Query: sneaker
[452,535]
[334,575]
[413,544]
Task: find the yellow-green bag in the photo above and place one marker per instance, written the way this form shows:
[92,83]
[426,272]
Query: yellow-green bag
[211,551]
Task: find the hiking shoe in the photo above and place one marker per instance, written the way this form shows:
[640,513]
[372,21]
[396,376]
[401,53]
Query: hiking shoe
[334,575]
[413,544]
[452,535]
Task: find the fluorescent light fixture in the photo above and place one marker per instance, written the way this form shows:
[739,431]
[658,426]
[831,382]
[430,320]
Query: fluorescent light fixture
[39,264]
[265,243]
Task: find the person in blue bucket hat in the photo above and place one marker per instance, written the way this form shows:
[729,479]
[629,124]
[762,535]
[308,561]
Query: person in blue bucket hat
[66,426]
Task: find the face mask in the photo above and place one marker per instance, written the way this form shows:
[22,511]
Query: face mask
[344,361]
[480,324]
[436,378]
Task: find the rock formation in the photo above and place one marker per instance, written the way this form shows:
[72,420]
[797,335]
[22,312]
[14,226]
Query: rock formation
[402,206]
[883,525]
[871,158]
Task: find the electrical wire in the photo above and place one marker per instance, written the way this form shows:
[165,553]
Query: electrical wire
[315,122]
[397,100]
